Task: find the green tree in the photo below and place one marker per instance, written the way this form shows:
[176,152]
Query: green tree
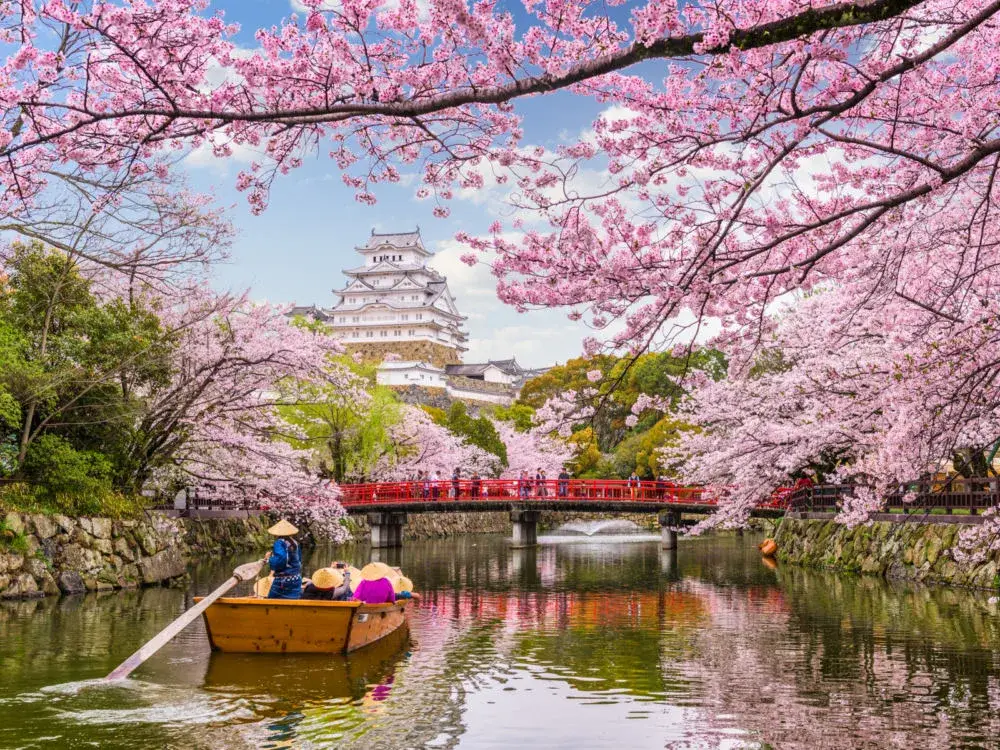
[476,431]
[349,431]
[74,370]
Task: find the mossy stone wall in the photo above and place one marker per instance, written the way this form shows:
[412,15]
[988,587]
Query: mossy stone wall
[910,551]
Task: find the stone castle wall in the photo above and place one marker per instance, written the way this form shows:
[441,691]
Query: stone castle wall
[910,551]
[420,351]
[42,555]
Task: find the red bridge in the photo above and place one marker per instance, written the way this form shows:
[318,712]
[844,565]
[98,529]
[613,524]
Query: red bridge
[387,503]
[549,494]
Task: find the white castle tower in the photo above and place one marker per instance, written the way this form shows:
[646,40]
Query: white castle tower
[393,303]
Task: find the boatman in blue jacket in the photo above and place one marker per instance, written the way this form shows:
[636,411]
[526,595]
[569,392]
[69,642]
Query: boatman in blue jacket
[286,562]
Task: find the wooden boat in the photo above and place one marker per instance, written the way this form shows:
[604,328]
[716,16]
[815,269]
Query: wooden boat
[298,626]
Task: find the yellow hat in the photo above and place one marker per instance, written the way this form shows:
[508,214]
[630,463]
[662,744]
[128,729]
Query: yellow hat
[373,571]
[282,528]
[401,584]
[263,587]
[327,578]
[355,577]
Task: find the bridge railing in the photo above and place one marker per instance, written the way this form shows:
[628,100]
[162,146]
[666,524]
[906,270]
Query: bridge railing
[964,494]
[513,490]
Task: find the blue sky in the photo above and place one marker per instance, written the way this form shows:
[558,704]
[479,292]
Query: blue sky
[295,251]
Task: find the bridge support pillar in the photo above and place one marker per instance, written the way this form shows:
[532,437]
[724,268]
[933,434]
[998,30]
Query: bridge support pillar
[387,529]
[525,531]
[669,520]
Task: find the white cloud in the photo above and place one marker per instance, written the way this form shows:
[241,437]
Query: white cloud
[496,331]
[202,157]
[423,6]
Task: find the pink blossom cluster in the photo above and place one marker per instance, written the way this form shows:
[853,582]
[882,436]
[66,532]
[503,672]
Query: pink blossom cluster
[559,413]
[532,450]
[870,401]
[840,156]
[237,362]
[420,444]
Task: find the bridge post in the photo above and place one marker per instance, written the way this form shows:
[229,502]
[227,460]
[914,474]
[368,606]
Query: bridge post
[387,529]
[525,527]
[668,533]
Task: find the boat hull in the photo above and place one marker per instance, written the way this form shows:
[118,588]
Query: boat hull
[298,626]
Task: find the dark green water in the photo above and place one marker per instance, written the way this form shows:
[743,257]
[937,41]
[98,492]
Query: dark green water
[588,645]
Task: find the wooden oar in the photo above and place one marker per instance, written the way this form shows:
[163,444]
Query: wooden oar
[245,572]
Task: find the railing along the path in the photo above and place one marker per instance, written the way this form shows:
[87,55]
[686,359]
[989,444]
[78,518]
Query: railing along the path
[549,490]
[962,494]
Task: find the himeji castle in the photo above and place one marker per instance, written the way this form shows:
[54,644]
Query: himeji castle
[396,310]
[393,303]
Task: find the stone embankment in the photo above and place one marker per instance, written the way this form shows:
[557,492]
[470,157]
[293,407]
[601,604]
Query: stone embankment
[42,555]
[438,525]
[892,549]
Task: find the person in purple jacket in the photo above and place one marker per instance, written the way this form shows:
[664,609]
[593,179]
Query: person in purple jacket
[375,587]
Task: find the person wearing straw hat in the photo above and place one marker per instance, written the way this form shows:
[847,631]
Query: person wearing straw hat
[327,584]
[285,562]
[376,584]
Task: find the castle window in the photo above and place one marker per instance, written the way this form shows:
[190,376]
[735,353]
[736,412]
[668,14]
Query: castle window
[371,334]
[385,334]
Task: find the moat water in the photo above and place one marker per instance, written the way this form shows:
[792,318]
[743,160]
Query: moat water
[593,644]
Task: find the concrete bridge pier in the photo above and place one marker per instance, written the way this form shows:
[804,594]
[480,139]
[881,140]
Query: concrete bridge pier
[387,528]
[525,527]
[669,520]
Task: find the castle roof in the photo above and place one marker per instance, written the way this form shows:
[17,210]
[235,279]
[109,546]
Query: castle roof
[395,239]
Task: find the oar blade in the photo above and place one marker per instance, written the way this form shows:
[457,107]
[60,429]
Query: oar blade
[244,572]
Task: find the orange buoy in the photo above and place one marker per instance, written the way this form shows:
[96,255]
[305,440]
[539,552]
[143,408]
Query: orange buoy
[768,547]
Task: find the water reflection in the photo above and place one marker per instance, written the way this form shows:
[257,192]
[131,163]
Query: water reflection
[552,646]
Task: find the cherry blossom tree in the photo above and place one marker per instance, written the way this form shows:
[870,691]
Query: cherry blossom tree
[778,146]
[531,450]
[217,421]
[421,444]
[871,402]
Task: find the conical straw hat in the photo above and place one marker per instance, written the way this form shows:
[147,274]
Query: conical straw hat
[282,528]
[263,587]
[373,571]
[401,584]
[327,578]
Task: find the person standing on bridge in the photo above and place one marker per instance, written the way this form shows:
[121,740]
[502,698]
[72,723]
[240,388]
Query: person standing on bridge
[476,483]
[563,490]
[543,481]
[633,485]
[436,486]
[524,485]
[456,481]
